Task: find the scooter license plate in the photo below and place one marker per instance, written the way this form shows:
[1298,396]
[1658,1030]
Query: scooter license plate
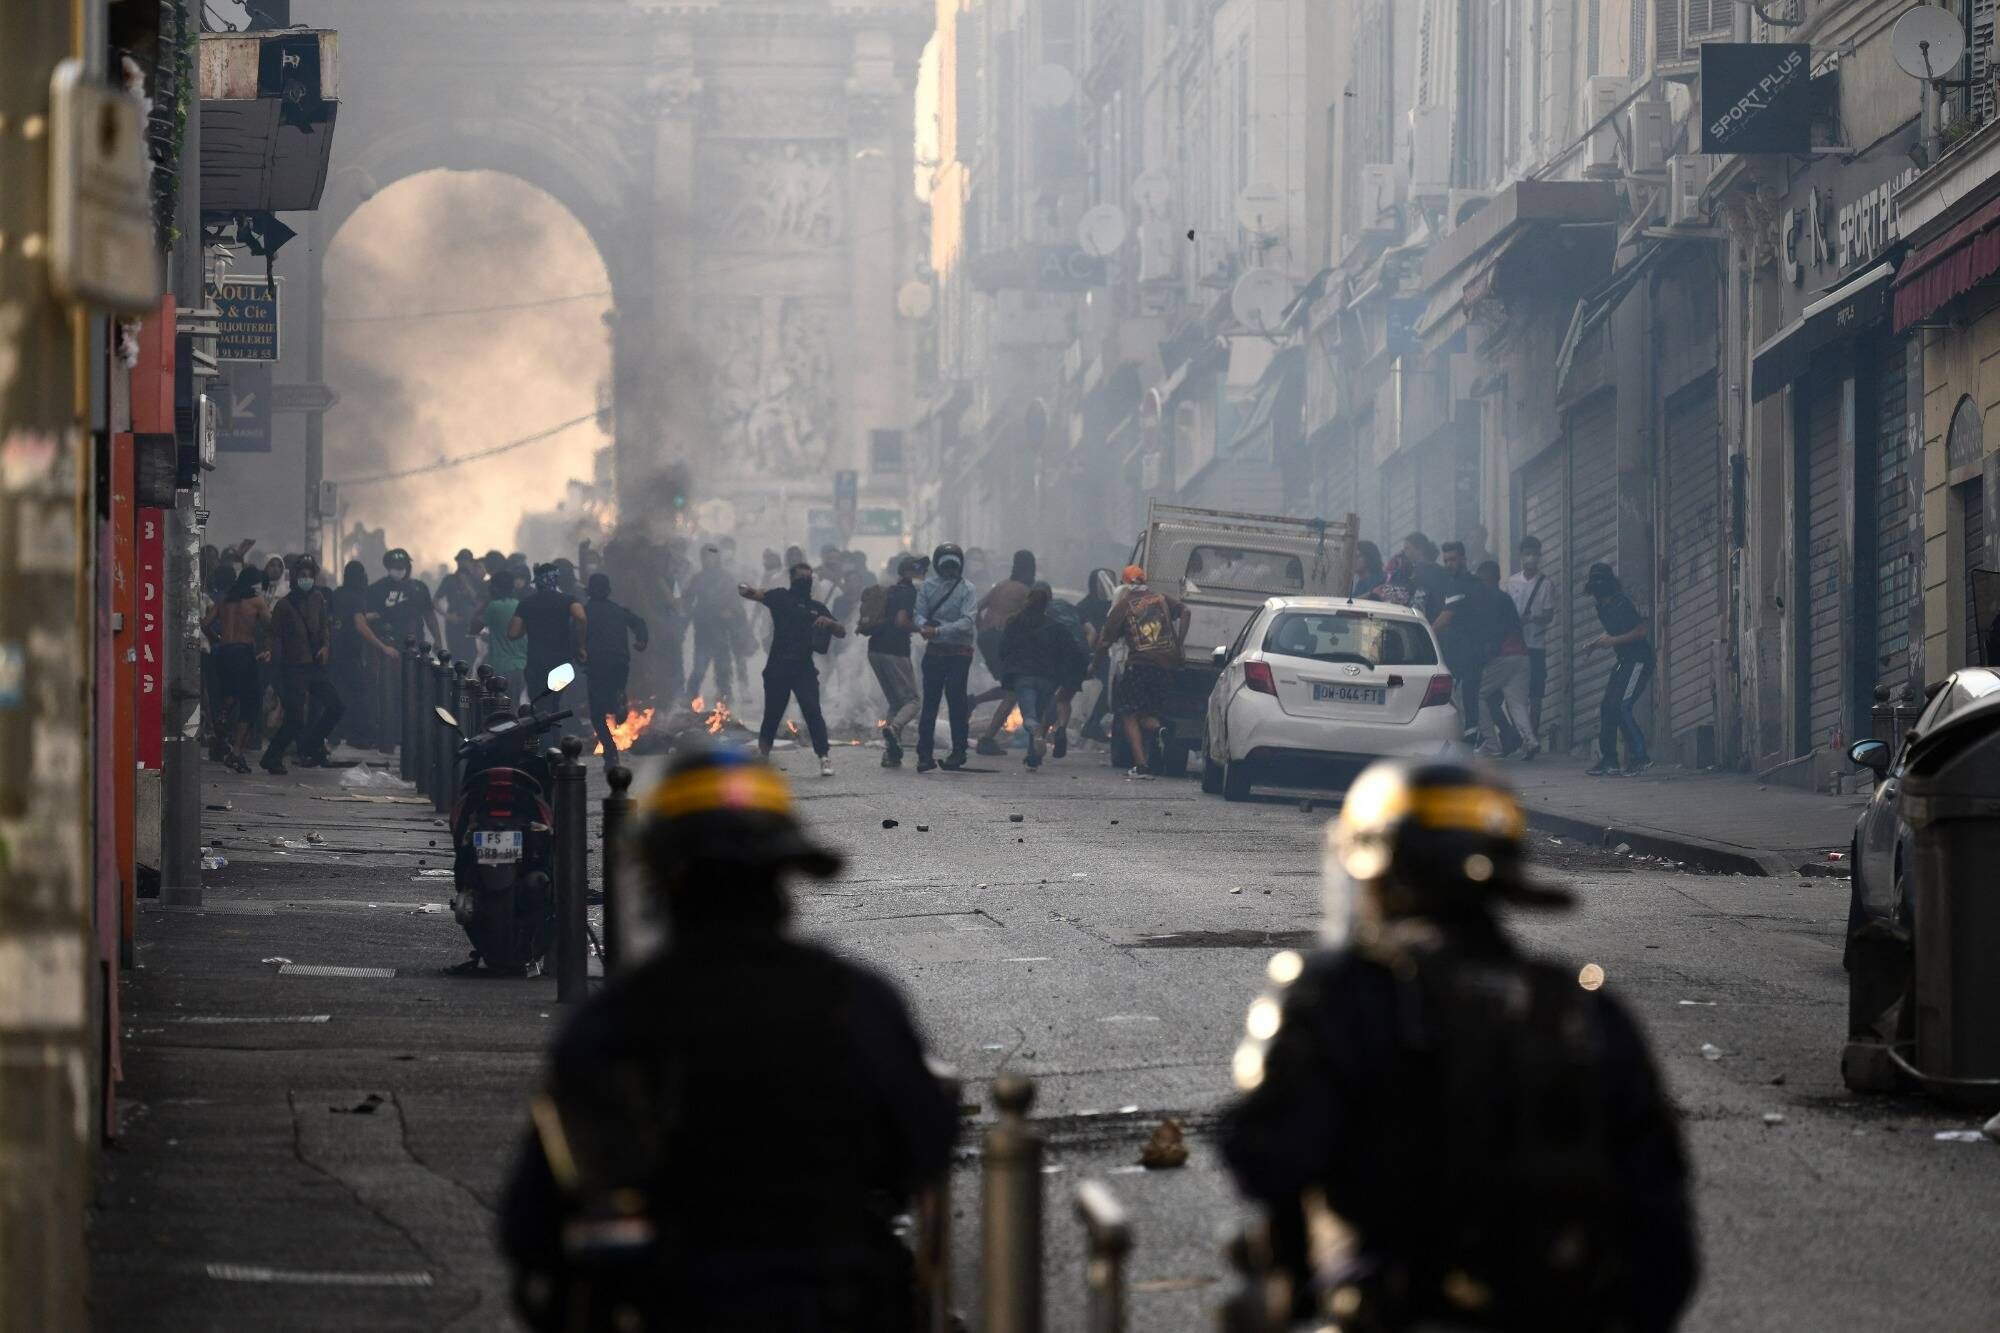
[497,848]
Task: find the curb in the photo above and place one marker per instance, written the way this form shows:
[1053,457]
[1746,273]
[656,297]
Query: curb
[1715,856]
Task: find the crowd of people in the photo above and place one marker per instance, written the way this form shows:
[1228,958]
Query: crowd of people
[1494,636]
[299,662]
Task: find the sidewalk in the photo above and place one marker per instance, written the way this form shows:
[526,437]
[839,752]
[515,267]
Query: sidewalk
[1725,822]
[314,1150]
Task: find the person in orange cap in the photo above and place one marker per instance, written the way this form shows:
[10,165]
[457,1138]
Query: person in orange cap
[1153,626]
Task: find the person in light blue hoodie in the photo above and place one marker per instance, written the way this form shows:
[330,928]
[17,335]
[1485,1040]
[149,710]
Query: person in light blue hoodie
[943,616]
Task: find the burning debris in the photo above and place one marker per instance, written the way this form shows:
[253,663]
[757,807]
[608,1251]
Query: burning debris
[625,733]
[660,732]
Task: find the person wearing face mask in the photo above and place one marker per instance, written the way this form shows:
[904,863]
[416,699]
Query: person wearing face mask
[302,633]
[800,627]
[944,617]
[402,605]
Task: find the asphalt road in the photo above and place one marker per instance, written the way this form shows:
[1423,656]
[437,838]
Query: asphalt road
[1109,943]
[1100,945]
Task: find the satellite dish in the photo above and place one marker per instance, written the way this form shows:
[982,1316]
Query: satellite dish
[1260,298]
[1153,193]
[1927,42]
[914,299]
[1054,86]
[1102,231]
[1260,210]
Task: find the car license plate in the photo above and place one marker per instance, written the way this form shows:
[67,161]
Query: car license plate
[1349,694]
[497,848]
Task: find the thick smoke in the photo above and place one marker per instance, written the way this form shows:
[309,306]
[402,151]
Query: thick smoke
[417,386]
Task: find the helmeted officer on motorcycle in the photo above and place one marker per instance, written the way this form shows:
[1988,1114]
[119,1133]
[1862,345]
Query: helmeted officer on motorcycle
[1444,1133]
[727,1128]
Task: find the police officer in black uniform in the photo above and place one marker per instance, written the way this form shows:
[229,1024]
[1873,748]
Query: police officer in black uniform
[1444,1133]
[728,1128]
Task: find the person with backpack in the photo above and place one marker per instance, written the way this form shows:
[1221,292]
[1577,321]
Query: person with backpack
[887,620]
[1484,1132]
[1056,713]
[1154,626]
[1037,655]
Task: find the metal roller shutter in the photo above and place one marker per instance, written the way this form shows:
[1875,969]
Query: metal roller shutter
[1545,517]
[1593,538]
[1895,552]
[1824,597]
[1691,542]
[1340,490]
[1972,556]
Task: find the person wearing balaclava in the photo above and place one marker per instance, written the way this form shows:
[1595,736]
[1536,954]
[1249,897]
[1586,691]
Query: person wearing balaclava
[946,605]
[800,627]
[555,626]
[302,637]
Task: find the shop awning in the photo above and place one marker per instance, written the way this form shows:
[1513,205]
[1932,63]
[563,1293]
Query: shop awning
[1948,267]
[1595,307]
[1854,305]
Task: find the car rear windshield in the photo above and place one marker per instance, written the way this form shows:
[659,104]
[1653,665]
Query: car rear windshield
[1238,567]
[1351,636]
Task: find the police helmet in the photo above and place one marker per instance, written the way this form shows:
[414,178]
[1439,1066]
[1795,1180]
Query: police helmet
[719,808]
[1430,839]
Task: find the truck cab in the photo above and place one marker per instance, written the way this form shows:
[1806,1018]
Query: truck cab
[1224,566]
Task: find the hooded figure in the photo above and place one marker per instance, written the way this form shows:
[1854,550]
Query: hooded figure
[672,1171]
[946,606]
[1442,1130]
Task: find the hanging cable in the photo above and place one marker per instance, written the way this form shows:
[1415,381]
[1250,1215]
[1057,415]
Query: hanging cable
[444,464]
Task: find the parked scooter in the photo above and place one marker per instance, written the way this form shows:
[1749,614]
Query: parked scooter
[503,862]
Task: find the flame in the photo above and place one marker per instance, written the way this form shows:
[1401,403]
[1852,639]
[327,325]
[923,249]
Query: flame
[719,717]
[696,705]
[1013,722]
[631,729]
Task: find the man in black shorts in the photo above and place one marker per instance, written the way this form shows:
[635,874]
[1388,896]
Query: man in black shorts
[1153,626]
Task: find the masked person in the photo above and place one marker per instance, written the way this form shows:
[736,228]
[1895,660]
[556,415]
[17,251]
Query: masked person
[943,618]
[1631,675]
[611,633]
[997,609]
[301,632]
[800,627]
[674,1178]
[1444,1132]
[554,624]
[712,607]
[888,634]
[1154,625]
[402,605]
[463,593]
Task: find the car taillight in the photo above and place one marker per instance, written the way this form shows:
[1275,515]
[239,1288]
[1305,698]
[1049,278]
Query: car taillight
[1257,675]
[1438,691]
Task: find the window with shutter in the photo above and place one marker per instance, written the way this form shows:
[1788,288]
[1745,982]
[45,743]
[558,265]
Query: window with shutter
[1979,48]
[1667,51]
[1708,20]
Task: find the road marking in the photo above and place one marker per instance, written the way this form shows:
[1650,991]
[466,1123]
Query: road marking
[1039,959]
[306,1277]
[274,1018]
[1130,1018]
[322,970]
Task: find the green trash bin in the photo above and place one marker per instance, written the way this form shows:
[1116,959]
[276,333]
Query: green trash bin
[1951,800]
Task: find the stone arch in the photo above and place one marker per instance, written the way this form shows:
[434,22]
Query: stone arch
[575,171]
[1964,443]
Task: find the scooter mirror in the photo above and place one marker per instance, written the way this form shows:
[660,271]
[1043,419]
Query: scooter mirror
[561,677]
[444,716]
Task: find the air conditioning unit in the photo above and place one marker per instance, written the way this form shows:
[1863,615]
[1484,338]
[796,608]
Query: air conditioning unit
[1215,260]
[1430,153]
[1384,187]
[1687,178]
[1650,129]
[1461,205]
[1601,95]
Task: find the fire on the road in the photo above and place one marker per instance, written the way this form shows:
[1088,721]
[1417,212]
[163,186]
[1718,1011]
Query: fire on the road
[631,729]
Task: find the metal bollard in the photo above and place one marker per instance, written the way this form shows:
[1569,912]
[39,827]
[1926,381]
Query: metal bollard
[1109,1239]
[572,838]
[617,814]
[406,709]
[1262,1301]
[1011,1212]
[933,1241]
[464,707]
[495,706]
[423,725]
[435,733]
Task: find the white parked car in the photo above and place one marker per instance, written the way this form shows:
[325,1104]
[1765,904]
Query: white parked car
[1314,688]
